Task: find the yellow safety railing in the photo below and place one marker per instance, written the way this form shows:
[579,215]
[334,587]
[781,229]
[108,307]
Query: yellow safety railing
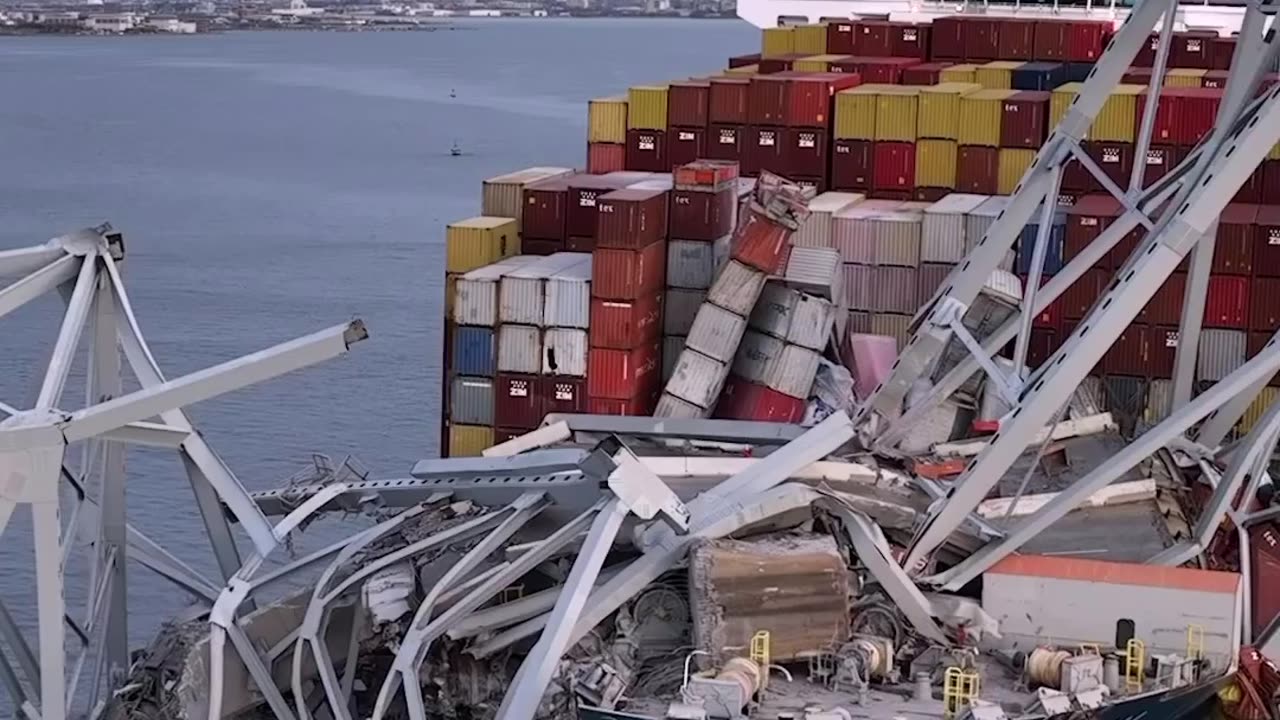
[1195,642]
[1135,653]
[760,655]
[959,688]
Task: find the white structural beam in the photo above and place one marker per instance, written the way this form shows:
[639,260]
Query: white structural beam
[24,261]
[38,283]
[73,322]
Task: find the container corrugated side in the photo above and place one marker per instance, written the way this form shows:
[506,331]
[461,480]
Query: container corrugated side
[774,310]
[895,290]
[471,401]
[469,440]
[475,242]
[929,279]
[565,352]
[607,120]
[1011,166]
[522,292]
[980,219]
[519,349]
[853,232]
[475,295]
[856,113]
[936,163]
[859,286]
[672,346]
[997,75]
[963,73]
[1221,353]
[691,264]
[1114,121]
[898,237]
[810,39]
[817,271]
[816,229]
[980,115]
[897,108]
[697,379]
[939,113]
[716,333]
[568,296]
[670,406]
[503,196]
[758,356]
[793,374]
[1253,414]
[811,322]
[679,310]
[473,351]
[942,230]
[897,327]
[737,288]
[647,107]
[1159,401]
[778,41]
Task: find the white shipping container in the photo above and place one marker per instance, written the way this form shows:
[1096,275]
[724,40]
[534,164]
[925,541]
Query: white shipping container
[854,230]
[817,271]
[757,356]
[519,349]
[897,327]
[670,406]
[475,296]
[672,346]
[690,264]
[980,220]
[568,301]
[794,372]
[859,287]
[1222,352]
[697,379]
[1159,401]
[565,352]
[897,236]
[503,196]
[662,182]
[471,402]
[716,333]
[679,310]
[816,229]
[773,311]
[721,250]
[942,232]
[737,288]
[522,294]
[811,322]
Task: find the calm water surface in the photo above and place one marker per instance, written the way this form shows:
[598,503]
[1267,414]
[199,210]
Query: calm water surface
[272,184]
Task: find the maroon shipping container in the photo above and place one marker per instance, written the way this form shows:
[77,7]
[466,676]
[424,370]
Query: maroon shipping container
[1086,220]
[1220,52]
[932,194]
[981,39]
[1251,189]
[1017,39]
[606,158]
[625,324]
[875,70]
[618,274]
[728,100]
[909,40]
[631,218]
[1237,234]
[1165,306]
[894,166]
[724,142]
[1078,298]
[762,150]
[1137,76]
[1160,160]
[871,38]
[1051,317]
[1025,119]
[1215,79]
[1115,159]
[579,244]
[924,74]
[767,99]
[647,151]
[1226,303]
[580,203]
[562,395]
[760,242]
[1146,56]
[1162,351]
[852,165]
[702,215]
[781,63]
[539,246]
[808,101]
[978,170]
[1266,251]
[516,401]
[804,152]
[744,60]
[840,37]
[1052,40]
[1265,315]
[624,374]
[1044,343]
[1183,116]
[687,103]
[1192,49]
[947,39]
[501,435]
[1086,39]
[685,144]
[641,405]
[743,400]
[545,208]
[1257,341]
[1128,354]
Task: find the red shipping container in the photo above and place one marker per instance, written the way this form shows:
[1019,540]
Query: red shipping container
[1226,303]
[804,152]
[871,38]
[1257,341]
[724,142]
[924,73]
[625,324]
[1086,220]
[1146,56]
[1165,306]
[1017,39]
[894,166]
[909,40]
[501,435]
[1183,116]
[762,150]
[728,100]
[1266,251]
[1215,79]
[685,144]
[1270,171]
[1265,315]
[687,103]
[606,158]
[702,215]
[647,151]
[782,63]
[1237,234]
[580,209]
[1160,161]
[545,209]
[562,395]
[705,175]
[1115,159]
[840,37]
[641,405]
[1251,189]
[1024,120]
[516,401]
[808,102]
[1162,351]
[631,218]
[618,274]
[767,99]
[1220,52]
[1192,49]
[1044,343]
[977,170]
[981,39]
[1051,317]
[1078,298]
[852,164]
[1087,39]
[875,70]
[1128,354]
[947,37]
[538,246]
[743,400]
[624,374]
[580,244]
[744,60]
[1052,40]
[1137,76]
[760,242]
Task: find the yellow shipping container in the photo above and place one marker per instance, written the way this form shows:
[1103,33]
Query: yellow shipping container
[607,120]
[856,112]
[1012,164]
[958,73]
[1257,409]
[809,39]
[1184,77]
[469,440]
[647,107]
[997,75]
[1115,120]
[980,114]
[896,111]
[742,70]
[939,111]
[936,163]
[1275,152]
[816,63]
[479,241]
[779,41]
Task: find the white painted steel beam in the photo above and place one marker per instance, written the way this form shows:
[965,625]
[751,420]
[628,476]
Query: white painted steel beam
[73,322]
[24,261]
[38,282]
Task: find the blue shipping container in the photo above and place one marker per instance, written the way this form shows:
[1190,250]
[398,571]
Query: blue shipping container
[474,352]
[1053,253]
[1039,76]
[1079,71]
